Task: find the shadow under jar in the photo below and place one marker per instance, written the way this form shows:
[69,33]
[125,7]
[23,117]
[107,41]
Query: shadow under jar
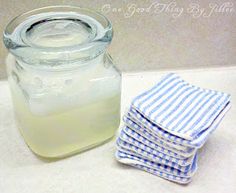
[65,88]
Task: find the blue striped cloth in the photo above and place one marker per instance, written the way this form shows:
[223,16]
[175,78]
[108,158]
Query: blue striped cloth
[166,125]
[164,171]
[125,142]
[180,108]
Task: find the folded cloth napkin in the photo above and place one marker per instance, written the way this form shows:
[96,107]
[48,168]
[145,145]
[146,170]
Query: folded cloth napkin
[166,125]
[158,169]
[179,108]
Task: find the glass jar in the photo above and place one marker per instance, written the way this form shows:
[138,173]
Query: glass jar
[65,88]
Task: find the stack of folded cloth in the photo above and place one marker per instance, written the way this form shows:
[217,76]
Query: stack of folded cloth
[166,125]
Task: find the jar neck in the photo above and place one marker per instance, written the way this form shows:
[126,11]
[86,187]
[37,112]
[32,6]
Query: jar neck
[98,60]
[69,66]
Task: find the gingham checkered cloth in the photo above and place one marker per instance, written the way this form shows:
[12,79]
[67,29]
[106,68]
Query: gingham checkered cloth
[166,125]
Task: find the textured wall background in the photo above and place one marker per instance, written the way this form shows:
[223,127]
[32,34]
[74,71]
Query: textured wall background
[161,37]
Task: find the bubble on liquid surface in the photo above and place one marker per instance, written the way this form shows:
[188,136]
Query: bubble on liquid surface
[38,82]
[68,81]
[15,77]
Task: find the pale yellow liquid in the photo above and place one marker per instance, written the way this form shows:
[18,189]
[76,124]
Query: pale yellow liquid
[66,111]
[64,133]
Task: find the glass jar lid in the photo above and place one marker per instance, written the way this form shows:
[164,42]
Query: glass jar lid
[57,35]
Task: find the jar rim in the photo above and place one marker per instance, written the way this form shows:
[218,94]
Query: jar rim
[33,53]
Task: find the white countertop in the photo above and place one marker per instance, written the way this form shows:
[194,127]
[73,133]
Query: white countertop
[97,170]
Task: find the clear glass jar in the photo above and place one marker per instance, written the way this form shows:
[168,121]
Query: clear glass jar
[65,88]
